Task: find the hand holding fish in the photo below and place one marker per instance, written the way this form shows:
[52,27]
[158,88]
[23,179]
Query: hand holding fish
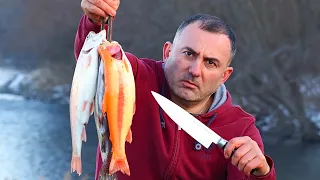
[247,157]
[95,9]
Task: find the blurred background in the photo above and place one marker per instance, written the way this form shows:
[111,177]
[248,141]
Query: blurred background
[276,77]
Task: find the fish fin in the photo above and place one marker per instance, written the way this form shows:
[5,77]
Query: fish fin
[76,164]
[88,62]
[84,134]
[127,65]
[91,108]
[119,164]
[134,107]
[129,136]
[84,106]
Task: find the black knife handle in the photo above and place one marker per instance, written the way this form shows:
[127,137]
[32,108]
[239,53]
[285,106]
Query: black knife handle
[222,143]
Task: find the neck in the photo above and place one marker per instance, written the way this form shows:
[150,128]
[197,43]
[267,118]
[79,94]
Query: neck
[198,107]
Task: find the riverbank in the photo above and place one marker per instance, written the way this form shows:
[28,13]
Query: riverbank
[49,84]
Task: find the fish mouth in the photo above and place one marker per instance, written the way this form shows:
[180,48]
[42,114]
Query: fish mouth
[115,51]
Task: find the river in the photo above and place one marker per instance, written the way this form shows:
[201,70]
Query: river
[36,144]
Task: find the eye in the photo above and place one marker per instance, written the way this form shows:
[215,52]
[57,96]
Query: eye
[188,53]
[211,62]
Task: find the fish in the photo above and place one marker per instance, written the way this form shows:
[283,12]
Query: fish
[118,104]
[102,128]
[83,90]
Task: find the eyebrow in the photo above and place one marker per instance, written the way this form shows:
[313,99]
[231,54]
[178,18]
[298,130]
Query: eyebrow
[205,58]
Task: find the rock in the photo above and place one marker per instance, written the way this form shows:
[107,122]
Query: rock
[43,79]
[11,97]
[6,76]
[49,84]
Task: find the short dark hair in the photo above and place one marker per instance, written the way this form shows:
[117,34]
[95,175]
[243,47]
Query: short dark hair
[212,24]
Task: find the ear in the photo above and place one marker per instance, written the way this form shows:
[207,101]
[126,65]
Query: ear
[226,74]
[166,50]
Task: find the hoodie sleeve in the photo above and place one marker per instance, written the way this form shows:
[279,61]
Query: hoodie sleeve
[233,172]
[84,27]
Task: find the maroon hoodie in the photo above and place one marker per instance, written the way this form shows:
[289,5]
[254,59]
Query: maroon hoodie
[159,150]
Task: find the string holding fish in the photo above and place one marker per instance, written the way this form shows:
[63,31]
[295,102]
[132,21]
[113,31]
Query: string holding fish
[109,36]
[109,22]
[103,20]
[109,33]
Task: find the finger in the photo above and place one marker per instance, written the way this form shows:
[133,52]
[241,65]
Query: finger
[93,9]
[113,3]
[240,152]
[234,143]
[94,17]
[254,163]
[246,159]
[107,7]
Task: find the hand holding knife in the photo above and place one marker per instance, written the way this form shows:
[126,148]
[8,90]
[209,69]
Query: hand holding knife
[206,136]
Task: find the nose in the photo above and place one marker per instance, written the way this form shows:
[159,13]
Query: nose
[195,68]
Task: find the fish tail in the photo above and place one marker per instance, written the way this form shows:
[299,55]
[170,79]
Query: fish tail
[76,164]
[119,164]
[129,136]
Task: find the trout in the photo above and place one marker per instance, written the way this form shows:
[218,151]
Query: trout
[83,90]
[118,104]
[102,128]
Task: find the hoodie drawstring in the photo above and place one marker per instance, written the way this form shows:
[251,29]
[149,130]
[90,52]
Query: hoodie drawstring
[162,122]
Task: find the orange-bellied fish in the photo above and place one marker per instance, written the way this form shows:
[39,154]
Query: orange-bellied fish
[102,128]
[83,90]
[118,102]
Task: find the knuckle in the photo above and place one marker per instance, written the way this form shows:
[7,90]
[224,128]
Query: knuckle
[233,162]
[241,163]
[261,157]
[237,155]
[231,142]
[247,138]
[255,143]
[249,167]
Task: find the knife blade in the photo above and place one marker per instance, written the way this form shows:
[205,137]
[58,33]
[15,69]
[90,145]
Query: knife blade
[188,123]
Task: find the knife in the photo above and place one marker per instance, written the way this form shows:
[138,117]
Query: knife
[188,123]
[191,125]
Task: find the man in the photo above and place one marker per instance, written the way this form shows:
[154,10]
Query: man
[192,74]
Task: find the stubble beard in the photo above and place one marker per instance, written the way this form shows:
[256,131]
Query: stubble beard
[181,93]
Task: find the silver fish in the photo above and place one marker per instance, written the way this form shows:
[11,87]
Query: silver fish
[83,90]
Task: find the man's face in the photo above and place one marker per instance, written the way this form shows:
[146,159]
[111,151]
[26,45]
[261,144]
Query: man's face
[196,64]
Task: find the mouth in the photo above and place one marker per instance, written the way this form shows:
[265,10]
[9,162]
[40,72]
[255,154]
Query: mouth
[189,84]
[115,52]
